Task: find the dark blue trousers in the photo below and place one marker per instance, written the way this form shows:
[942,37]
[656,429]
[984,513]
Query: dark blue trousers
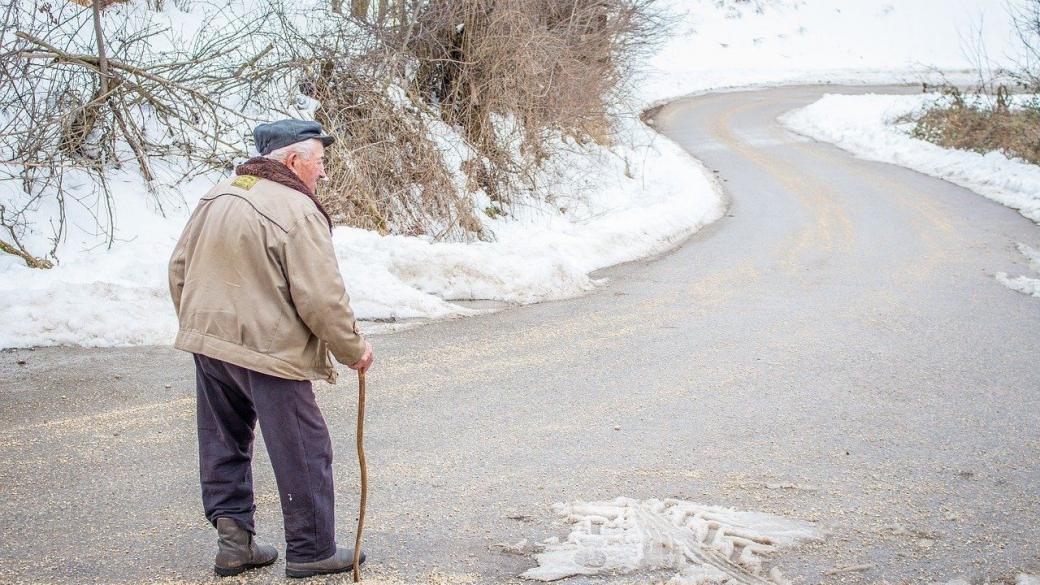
[231,399]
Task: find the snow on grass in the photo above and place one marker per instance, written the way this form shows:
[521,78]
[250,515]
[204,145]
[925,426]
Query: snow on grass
[703,544]
[865,125]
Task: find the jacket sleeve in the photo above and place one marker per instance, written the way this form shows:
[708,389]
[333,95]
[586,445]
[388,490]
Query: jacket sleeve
[179,261]
[317,290]
[176,276]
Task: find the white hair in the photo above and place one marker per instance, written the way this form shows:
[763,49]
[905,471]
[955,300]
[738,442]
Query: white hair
[304,148]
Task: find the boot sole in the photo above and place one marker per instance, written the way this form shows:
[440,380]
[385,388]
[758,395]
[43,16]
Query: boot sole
[232,571]
[302,573]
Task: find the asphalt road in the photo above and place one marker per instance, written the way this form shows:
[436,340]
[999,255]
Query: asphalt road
[835,349]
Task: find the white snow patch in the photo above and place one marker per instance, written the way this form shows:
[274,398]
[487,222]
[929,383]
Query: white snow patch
[703,544]
[1024,284]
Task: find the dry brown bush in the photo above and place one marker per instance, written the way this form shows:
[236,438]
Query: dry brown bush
[552,68]
[970,124]
[513,76]
[387,174]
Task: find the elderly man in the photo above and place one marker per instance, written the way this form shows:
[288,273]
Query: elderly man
[261,304]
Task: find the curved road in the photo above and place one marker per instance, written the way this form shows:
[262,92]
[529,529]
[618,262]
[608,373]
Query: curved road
[835,349]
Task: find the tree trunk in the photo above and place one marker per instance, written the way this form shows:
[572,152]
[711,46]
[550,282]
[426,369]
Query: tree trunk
[359,9]
[99,36]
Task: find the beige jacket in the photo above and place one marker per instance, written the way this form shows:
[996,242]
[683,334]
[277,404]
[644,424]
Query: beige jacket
[255,282]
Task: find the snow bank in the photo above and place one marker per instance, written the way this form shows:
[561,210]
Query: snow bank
[704,544]
[722,44]
[638,200]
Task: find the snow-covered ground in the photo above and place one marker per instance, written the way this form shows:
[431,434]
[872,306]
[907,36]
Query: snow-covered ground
[869,126]
[606,207]
[739,43]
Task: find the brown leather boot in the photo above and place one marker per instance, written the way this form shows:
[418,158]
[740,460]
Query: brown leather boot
[237,551]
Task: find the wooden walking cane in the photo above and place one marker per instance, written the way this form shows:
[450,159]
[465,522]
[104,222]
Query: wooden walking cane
[364,472]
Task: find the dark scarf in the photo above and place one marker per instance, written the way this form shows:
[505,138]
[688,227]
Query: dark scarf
[272,170]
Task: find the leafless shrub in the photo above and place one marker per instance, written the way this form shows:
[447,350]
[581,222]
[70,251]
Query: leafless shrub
[386,172]
[1027,24]
[76,102]
[392,176]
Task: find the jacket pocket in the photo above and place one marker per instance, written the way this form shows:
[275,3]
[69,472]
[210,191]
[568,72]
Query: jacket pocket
[322,359]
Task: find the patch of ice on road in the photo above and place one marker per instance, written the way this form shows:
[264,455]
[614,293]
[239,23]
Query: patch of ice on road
[704,544]
[1024,284]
